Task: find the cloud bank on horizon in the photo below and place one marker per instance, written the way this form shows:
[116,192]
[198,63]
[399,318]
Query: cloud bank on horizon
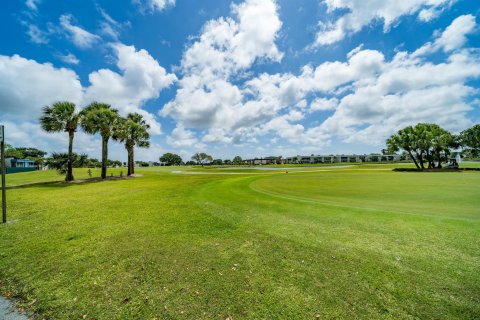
[244,78]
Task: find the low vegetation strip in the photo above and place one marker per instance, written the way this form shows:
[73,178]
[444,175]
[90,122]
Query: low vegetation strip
[173,246]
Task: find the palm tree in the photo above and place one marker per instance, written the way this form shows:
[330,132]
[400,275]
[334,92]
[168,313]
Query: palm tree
[62,116]
[132,131]
[100,118]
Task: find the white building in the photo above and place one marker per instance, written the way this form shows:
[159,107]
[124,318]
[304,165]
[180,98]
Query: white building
[345,158]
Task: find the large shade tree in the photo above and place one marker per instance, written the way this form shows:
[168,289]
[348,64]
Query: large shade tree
[103,119]
[132,131]
[62,116]
[425,143]
[202,158]
[171,159]
[470,140]
[237,160]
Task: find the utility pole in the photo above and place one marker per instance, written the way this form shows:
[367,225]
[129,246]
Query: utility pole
[4,171]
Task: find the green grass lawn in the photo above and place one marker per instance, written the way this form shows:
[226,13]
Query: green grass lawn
[357,242]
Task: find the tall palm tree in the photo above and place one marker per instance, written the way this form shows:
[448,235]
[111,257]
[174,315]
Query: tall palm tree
[100,118]
[62,116]
[132,131]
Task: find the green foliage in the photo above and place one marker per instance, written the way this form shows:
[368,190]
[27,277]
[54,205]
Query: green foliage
[470,140]
[202,158]
[132,131]
[62,116]
[12,152]
[217,162]
[103,119]
[171,159]
[114,163]
[425,143]
[59,161]
[94,163]
[23,153]
[99,118]
[237,160]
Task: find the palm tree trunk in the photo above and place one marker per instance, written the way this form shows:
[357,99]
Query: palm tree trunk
[104,157]
[69,176]
[132,160]
[129,160]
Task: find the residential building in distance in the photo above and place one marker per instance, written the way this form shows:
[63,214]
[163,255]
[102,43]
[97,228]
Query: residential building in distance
[263,161]
[345,158]
[13,165]
[19,163]
[313,159]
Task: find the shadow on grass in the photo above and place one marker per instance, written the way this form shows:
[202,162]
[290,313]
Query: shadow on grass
[435,169]
[64,184]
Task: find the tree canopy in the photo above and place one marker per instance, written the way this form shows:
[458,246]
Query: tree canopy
[103,119]
[237,160]
[425,143]
[132,131]
[59,161]
[171,159]
[202,158]
[470,140]
[217,162]
[12,152]
[62,116]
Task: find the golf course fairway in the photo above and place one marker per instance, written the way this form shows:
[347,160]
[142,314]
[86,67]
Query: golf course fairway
[360,242]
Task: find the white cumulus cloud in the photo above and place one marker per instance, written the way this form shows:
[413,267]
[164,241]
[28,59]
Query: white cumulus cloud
[26,86]
[361,13]
[206,97]
[364,99]
[454,36]
[142,79]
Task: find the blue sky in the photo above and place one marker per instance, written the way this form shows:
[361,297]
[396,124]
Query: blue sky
[249,78]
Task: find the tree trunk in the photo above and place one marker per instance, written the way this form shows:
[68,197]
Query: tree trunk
[439,159]
[129,160]
[69,176]
[420,159]
[104,157]
[132,160]
[413,158]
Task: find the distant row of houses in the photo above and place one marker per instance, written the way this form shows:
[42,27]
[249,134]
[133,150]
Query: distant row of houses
[313,159]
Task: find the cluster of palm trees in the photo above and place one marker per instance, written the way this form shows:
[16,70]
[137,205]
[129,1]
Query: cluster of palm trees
[426,143]
[96,118]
